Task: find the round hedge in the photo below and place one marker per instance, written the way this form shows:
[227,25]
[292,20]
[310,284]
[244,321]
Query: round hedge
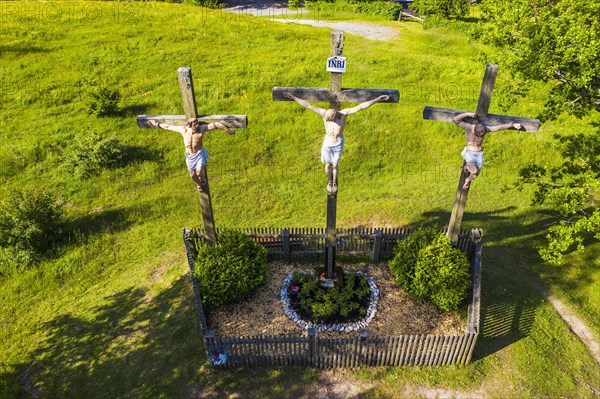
[231,269]
[427,267]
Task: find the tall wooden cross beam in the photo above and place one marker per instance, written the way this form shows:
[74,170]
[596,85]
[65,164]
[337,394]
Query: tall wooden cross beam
[335,95]
[186,86]
[482,116]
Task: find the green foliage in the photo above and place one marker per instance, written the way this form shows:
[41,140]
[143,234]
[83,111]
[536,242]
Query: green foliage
[204,3]
[556,42]
[346,301]
[388,9]
[90,154]
[30,224]
[450,9]
[231,269]
[293,4]
[427,267]
[104,101]
[547,41]
[572,187]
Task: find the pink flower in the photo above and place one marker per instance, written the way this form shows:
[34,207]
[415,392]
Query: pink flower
[295,288]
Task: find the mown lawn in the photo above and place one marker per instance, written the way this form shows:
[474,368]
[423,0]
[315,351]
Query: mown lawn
[112,314]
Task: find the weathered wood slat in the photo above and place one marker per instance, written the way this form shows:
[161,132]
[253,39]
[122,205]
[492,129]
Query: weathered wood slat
[233,121]
[487,87]
[447,115]
[346,95]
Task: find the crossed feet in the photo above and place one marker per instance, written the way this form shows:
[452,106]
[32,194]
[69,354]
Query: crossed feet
[332,188]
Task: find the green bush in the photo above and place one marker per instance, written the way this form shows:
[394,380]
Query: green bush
[104,101]
[31,223]
[294,4]
[90,153]
[231,269]
[346,301]
[204,3]
[450,9]
[427,267]
[388,9]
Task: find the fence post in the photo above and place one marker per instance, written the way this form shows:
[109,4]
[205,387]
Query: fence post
[209,344]
[377,246]
[285,244]
[312,347]
[364,334]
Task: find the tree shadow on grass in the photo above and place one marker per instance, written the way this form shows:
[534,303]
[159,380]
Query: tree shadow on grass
[134,110]
[137,344]
[100,220]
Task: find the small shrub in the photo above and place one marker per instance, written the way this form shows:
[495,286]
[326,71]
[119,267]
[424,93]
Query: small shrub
[30,224]
[90,153]
[294,4]
[346,301]
[231,269]
[449,9]
[427,267]
[204,3]
[105,101]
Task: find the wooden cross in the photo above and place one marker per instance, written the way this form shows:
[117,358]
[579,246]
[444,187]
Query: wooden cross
[483,104]
[334,95]
[186,86]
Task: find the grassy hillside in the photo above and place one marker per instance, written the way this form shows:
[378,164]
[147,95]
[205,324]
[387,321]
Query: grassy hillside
[112,314]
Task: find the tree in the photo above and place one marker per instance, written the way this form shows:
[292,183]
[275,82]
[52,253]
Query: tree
[556,42]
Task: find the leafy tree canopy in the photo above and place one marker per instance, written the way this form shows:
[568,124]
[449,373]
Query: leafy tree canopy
[556,42]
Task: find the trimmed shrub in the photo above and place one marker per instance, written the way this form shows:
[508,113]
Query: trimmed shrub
[231,269]
[30,224]
[427,267]
[91,153]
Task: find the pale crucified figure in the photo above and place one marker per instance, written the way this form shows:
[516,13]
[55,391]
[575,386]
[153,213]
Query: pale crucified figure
[333,143]
[473,152]
[196,155]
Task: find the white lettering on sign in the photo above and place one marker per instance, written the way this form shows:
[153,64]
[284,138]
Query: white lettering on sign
[336,64]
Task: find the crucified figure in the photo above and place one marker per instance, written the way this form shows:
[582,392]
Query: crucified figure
[333,143]
[473,152]
[196,155]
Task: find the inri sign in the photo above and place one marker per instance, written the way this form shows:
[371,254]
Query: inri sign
[336,64]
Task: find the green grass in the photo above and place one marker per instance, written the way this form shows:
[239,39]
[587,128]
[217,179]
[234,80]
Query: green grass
[112,315]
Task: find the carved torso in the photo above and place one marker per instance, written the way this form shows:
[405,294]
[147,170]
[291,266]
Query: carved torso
[335,128]
[474,141]
[192,141]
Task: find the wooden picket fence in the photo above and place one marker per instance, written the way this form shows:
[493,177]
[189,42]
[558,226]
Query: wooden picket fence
[289,242]
[350,351]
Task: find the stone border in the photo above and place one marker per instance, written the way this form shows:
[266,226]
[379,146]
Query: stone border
[342,327]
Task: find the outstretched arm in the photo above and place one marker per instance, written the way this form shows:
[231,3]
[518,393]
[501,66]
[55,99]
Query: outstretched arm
[217,125]
[364,105]
[305,104]
[155,123]
[504,127]
[460,117]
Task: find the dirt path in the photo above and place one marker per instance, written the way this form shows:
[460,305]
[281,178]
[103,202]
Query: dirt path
[368,31]
[271,8]
[577,326]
